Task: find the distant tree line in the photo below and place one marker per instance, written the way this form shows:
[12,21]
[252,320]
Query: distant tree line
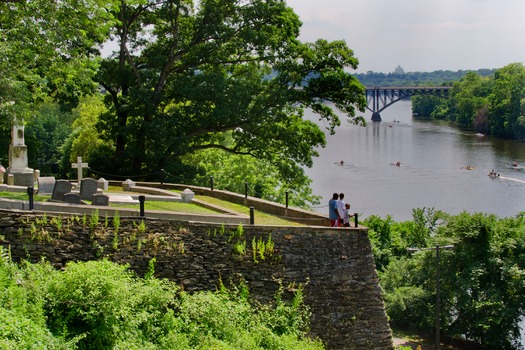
[493,105]
[401,78]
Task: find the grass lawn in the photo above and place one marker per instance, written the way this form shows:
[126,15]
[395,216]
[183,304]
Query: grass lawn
[23,196]
[259,217]
[179,207]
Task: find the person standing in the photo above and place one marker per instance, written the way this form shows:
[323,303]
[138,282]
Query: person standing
[346,218]
[333,213]
[341,208]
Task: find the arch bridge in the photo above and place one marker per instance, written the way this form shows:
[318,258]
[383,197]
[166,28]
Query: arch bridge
[378,98]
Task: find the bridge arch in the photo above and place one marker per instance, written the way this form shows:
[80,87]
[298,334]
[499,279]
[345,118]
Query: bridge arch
[379,98]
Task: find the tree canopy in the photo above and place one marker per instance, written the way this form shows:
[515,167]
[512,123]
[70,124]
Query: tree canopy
[482,279]
[183,77]
[494,105]
[220,74]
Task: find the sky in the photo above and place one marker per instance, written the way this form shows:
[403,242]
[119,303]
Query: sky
[419,35]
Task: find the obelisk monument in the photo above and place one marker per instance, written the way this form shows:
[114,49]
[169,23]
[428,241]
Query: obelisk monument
[22,174]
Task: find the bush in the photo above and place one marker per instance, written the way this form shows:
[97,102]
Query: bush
[102,305]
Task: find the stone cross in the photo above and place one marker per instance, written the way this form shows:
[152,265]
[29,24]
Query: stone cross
[79,165]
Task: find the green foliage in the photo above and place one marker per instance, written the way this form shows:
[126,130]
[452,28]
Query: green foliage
[116,222]
[239,247]
[494,105]
[151,268]
[226,320]
[105,303]
[231,172]
[22,320]
[101,305]
[409,304]
[482,279]
[262,249]
[243,92]
[507,101]
[47,52]
[45,132]
[93,220]
[141,228]
[391,238]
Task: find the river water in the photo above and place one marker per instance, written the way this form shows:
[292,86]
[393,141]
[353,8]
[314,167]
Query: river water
[433,171]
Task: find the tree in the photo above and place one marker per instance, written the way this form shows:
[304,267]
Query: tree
[482,280]
[507,101]
[48,48]
[44,135]
[186,77]
[467,98]
[231,172]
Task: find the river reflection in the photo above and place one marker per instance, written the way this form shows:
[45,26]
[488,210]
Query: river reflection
[433,171]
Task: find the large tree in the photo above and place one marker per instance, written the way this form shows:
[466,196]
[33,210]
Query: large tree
[47,48]
[228,74]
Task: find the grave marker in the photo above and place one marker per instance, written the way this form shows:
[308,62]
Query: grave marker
[88,187]
[22,175]
[72,198]
[46,184]
[103,184]
[61,188]
[79,166]
[100,199]
[128,185]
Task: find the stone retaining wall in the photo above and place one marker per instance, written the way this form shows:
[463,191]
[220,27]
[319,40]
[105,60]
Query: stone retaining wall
[335,266]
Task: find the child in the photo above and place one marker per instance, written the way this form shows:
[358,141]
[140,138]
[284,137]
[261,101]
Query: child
[347,216]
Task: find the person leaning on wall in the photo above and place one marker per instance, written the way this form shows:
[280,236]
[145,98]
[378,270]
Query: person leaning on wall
[333,213]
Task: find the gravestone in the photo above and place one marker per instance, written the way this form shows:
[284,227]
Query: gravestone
[187,195]
[46,184]
[61,188]
[100,199]
[128,185]
[22,175]
[72,198]
[103,184]
[88,187]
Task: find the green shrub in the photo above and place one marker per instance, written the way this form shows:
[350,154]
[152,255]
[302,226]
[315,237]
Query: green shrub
[105,302]
[102,305]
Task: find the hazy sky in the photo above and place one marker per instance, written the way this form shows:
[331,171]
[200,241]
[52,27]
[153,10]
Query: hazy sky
[419,35]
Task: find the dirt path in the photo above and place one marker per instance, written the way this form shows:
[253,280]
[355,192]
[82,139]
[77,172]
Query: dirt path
[412,344]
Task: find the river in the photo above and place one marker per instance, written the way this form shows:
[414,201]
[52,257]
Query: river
[433,171]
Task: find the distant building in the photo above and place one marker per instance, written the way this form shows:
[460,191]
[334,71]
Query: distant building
[399,70]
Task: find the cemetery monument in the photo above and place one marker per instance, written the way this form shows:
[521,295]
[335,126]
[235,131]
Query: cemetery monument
[22,175]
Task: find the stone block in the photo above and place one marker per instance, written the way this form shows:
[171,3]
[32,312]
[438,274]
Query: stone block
[100,199]
[128,185]
[61,188]
[88,187]
[103,184]
[45,184]
[72,198]
[187,195]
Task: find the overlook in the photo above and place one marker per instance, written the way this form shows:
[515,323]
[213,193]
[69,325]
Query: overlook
[332,264]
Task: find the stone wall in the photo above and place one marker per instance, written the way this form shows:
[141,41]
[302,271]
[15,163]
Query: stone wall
[335,266]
